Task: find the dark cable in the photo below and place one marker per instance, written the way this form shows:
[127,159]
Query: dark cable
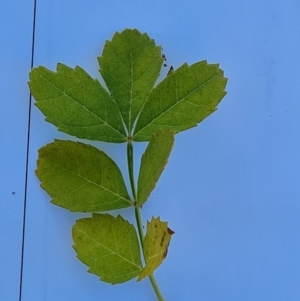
[27,157]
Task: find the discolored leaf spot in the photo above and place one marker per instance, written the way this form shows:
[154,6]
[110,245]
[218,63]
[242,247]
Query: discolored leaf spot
[170,70]
[170,231]
[162,239]
[156,245]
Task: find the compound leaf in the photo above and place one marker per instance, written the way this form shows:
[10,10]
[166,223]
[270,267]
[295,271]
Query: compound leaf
[183,99]
[156,243]
[109,246]
[77,104]
[81,178]
[153,163]
[130,65]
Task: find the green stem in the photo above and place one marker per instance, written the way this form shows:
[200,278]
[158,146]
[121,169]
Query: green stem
[130,167]
[156,288]
[138,215]
[139,221]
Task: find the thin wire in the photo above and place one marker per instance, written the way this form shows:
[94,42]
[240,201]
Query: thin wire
[27,156]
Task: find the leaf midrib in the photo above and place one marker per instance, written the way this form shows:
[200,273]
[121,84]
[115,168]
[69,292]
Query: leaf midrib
[132,82]
[77,102]
[176,103]
[93,183]
[111,251]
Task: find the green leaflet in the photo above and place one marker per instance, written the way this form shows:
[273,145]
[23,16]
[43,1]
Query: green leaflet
[108,246]
[77,104]
[153,163]
[130,65]
[183,99]
[156,245]
[80,177]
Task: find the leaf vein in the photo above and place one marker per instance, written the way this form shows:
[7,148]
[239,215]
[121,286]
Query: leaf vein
[109,249]
[88,110]
[93,183]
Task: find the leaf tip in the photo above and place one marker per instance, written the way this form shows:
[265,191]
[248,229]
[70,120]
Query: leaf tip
[170,231]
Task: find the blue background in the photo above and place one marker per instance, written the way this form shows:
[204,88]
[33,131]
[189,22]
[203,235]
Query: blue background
[231,188]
